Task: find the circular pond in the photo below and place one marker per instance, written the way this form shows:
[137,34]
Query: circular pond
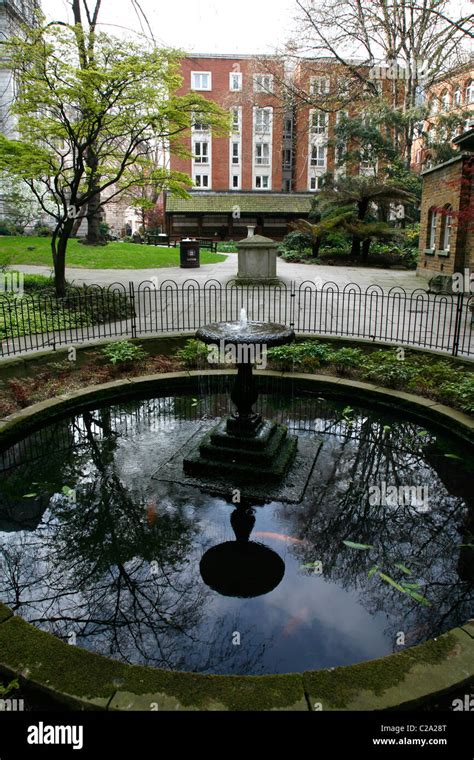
[106,544]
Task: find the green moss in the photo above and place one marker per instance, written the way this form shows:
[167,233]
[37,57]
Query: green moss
[73,671]
[5,613]
[336,688]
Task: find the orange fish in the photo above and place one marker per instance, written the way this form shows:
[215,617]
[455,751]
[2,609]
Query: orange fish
[151,512]
[295,622]
[279,536]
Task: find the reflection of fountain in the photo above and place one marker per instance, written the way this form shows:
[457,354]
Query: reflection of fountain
[244,444]
[242,568]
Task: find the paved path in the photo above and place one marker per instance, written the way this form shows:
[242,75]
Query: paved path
[226,270]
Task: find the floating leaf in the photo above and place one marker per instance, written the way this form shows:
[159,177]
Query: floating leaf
[393,583]
[465,546]
[453,456]
[373,570]
[422,433]
[405,584]
[29,495]
[418,597]
[66,490]
[310,565]
[387,428]
[403,568]
[354,545]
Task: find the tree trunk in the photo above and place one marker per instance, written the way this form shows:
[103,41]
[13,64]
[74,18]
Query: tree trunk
[59,243]
[365,250]
[315,247]
[355,249]
[93,236]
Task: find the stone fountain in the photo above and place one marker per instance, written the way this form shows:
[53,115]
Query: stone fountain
[244,444]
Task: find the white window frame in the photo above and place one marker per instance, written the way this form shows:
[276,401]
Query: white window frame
[264,181]
[287,164]
[445,100]
[469,92]
[199,181]
[237,74]
[319,85]
[433,229]
[457,98]
[235,144]
[235,186]
[447,229]
[266,120]
[260,83]
[318,161]
[203,154]
[315,125]
[199,74]
[262,153]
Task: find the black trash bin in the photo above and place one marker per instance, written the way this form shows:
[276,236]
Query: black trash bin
[189,254]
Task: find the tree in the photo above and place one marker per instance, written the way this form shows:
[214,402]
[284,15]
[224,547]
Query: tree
[118,106]
[408,42]
[349,204]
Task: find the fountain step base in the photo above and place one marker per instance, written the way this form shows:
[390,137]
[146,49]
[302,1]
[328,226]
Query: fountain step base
[218,480]
[263,451]
[269,464]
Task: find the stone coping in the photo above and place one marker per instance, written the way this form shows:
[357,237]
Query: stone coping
[83,680]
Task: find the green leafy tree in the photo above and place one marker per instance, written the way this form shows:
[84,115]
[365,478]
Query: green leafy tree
[120,104]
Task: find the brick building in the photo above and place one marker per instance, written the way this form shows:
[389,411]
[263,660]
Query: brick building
[450,94]
[447,214]
[245,178]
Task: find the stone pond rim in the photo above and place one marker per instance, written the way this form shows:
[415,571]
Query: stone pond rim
[253,333]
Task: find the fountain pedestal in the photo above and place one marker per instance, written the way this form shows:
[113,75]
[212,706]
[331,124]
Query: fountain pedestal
[244,445]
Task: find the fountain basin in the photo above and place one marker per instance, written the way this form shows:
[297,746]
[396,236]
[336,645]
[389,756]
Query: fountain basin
[267,334]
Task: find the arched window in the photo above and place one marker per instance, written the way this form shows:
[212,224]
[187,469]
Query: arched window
[445,100]
[432,227]
[469,92]
[446,228]
[457,97]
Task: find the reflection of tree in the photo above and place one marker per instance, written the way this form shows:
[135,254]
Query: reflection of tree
[112,567]
[368,452]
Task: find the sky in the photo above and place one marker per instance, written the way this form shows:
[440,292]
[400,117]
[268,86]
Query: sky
[199,26]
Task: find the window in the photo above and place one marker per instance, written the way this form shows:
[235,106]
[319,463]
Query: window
[287,158]
[235,120]
[318,155]
[201,80]
[199,125]
[263,83]
[319,85]
[457,97]
[447,226]
[469,92]
[262,119]
[445,100]
[261,181]
[287,185]
[235,152]
[434,106]
[235,81]
[235,181]
[201,180]
[314,183]
[432,224]
[288,128]
[201,152]
[262,154]
[318,122]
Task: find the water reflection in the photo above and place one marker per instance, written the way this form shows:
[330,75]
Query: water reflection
[92,547]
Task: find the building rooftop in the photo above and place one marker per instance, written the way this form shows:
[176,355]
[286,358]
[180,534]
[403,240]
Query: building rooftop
[225,203]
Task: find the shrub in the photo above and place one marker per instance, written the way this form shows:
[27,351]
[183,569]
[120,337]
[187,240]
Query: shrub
[193,353]
[346,359]
[6,690]
[41,230]
[123,353]
[297,241]
[295,256]
[308,355]
[385,368]
[7,228]
[460,393]
[229,246]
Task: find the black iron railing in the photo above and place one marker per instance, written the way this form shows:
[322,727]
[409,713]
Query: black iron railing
[418,318]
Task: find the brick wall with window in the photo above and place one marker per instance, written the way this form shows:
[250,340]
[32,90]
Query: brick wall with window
[447,239]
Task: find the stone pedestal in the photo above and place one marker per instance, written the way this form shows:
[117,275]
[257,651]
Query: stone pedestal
[257,256]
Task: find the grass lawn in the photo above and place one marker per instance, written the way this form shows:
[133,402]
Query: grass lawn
[14,250]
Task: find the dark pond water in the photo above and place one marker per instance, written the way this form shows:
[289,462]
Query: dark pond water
[113,564]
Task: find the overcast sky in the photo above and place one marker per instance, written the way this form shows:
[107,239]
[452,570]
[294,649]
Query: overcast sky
[210,26]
